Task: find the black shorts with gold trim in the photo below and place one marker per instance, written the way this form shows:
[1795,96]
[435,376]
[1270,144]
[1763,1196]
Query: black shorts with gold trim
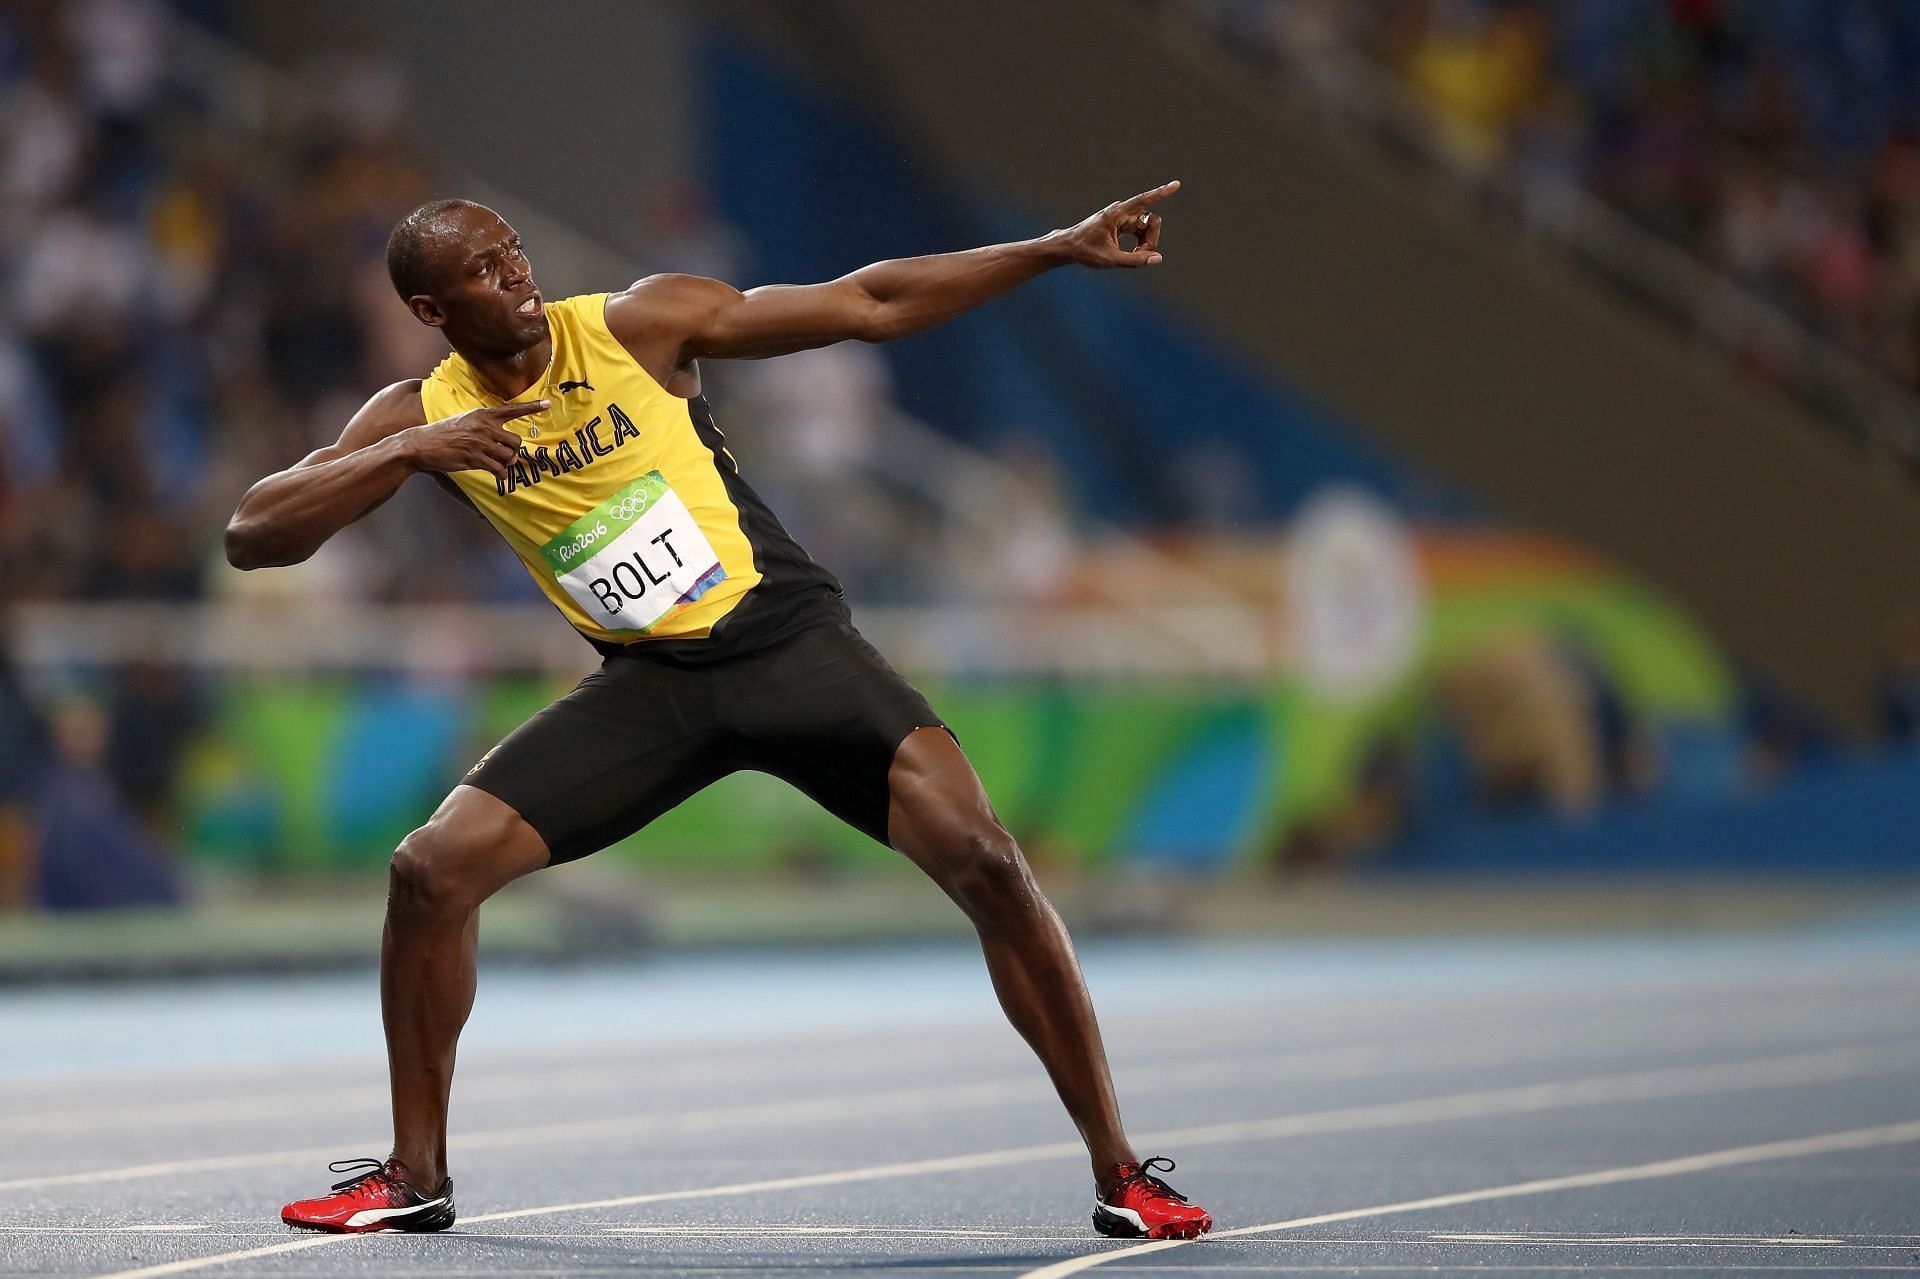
[800,695]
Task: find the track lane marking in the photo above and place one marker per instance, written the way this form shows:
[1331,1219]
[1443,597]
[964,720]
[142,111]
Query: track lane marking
[930,1099]
[501,1086]
[494,1076]
[1382,1058]
[1799,1147]
[1659,1241]
[740,1063]
[987,1267]
[783,1231]
[745,1062]
[226,1258]
[1529,1098]
[1385,1058]
[147,1228]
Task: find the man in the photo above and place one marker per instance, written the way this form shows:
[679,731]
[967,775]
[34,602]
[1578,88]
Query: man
[577,429]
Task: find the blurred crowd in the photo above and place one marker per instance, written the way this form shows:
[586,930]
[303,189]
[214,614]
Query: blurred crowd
[1777,140]
[198,298]
[195,300]
[1533,723]
[199,302]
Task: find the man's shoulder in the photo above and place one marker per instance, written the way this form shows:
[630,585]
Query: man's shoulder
[581,306]
[407,388]
[667,289]
[397,406]
[663,306]
[387,411]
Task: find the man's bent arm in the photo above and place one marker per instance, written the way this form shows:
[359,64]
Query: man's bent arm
[678,319]
[285,517]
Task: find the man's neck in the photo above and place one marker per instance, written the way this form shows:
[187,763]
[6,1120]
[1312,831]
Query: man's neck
[506,376]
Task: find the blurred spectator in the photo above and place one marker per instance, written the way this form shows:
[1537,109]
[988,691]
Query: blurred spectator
[1026,549]
[92,852]
[679,233]
[22,748]
[1781,735]
[1213,486]
[1382,808]
[152,712]
[1528,725]
[1900,687]
[66,839]
[810,424]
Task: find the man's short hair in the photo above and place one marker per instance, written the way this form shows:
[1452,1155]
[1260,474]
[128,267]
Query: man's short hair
[408,264]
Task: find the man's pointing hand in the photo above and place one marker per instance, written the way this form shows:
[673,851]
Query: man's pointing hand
[476,440]
[1096,241]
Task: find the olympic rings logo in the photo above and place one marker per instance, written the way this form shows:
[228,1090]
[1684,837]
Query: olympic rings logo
[632,508]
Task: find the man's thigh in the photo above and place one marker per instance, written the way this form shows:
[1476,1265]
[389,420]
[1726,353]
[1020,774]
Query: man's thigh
[826,713]
[632,740]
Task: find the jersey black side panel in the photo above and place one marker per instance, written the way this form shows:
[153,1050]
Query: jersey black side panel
[783,563]
[792,583]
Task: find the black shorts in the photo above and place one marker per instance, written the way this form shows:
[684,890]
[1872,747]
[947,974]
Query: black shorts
[816,707]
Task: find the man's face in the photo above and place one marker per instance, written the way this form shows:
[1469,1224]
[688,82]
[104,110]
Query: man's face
[484,295]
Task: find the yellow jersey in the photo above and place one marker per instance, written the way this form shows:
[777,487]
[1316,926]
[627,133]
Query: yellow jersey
[625,503]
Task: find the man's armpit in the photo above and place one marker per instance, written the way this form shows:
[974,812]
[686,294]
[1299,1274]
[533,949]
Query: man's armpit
[455,491]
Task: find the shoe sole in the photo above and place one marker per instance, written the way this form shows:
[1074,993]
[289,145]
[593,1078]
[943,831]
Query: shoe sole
[1114,1226]
[440,1218]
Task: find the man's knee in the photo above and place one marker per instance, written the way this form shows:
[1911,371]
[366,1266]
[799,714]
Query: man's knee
[985,872]
[449,864]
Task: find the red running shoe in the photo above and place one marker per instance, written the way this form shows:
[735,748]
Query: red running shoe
[1141,1206]
[376,1197]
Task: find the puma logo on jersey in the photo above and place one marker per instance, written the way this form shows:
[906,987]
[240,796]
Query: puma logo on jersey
[581,385]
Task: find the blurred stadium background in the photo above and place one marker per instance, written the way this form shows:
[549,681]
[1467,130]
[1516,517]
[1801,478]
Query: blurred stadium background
[1500,511]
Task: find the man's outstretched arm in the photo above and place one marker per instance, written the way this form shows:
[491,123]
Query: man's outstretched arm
[286,517]
[670,320]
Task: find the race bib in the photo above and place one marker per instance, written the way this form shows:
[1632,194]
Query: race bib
[635,557]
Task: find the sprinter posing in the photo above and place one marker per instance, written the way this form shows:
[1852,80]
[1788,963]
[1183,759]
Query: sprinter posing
[578,430]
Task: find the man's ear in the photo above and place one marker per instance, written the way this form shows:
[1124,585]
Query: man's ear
[426,310]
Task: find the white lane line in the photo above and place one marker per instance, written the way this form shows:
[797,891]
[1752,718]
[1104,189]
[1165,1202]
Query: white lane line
[744,1063]
[1855,1237]
[225,1258]
[1456,1268]
[1347,1062]
[899,1102]
[832,1055]
[1796,1148]
[154,1228]
[546,1084]
[1657,1241]
[758,1232]
[839,1057]
[1878,1058]
[736,1229]
[1633,1086]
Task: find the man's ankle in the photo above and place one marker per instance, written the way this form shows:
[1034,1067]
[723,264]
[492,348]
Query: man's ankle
[424,1179]
[1106,1171]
